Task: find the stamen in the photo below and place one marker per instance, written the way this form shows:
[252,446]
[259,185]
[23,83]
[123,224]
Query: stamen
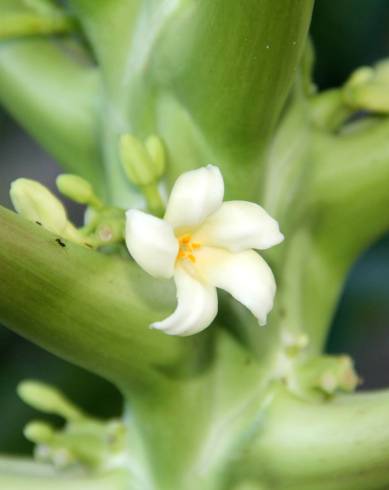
[185,239]
[187,248]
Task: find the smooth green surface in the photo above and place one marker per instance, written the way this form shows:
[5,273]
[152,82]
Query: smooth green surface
[89,308]
[340,445]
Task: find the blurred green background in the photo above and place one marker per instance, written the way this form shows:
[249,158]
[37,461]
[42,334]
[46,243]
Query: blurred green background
[346,34]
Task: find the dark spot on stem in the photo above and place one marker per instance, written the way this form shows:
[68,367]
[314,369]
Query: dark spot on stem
[88,245]
[38,223]
[60,242]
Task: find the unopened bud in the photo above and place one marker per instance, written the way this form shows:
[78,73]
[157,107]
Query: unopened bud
[361,76]
[367,88]
[36,203]
[38,432]
[47,399]
[143,164]
[157,152]
[77,189]
[329,374]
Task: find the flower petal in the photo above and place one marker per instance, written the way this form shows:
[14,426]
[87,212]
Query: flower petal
[245,275]
[152,243]
[195,195]
[239,225]
[196,308]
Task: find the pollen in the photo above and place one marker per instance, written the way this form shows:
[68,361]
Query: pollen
[187,248]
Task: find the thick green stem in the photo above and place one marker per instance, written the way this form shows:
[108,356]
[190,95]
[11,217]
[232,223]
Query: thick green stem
[342,444]
[91,309]
[217,108]
[346,203]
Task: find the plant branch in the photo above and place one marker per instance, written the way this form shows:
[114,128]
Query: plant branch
[89,308]
[63,117]
[346,213]
[341,444]
[328,190]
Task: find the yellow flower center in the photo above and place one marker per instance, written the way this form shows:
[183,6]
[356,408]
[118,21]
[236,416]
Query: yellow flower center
[187,248]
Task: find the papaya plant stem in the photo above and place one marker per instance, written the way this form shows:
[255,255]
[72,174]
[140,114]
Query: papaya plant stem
[337,445]
[118,316]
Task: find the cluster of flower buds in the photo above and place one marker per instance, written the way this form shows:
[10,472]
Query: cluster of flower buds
[367,88]
[329,374]
[318,376]
[104,224]
[84,440]
[144,164]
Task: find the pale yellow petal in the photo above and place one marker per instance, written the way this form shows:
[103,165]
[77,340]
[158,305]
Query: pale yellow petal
[238,226]
[195,195]
[152,243]
[245,275]
[196,306]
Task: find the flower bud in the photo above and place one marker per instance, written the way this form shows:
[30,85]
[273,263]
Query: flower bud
[36,203]
[76,188]
[156,150]
[360,76]
[367,88]
[143,163]
[38,432]
[329,374]
[47,399]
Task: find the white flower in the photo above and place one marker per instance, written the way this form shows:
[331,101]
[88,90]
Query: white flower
[205,244]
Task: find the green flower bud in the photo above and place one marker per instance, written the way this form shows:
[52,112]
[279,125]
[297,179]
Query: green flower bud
[36,203]
[77,189]
[382,71]
[360,76]
[48,399]
[367,88]
[83,439]
[329,374]
[142,164]
[38,432]
[156,150]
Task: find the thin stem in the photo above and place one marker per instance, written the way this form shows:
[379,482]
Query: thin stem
[154,199]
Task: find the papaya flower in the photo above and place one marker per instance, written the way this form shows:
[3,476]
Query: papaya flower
[204,244]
